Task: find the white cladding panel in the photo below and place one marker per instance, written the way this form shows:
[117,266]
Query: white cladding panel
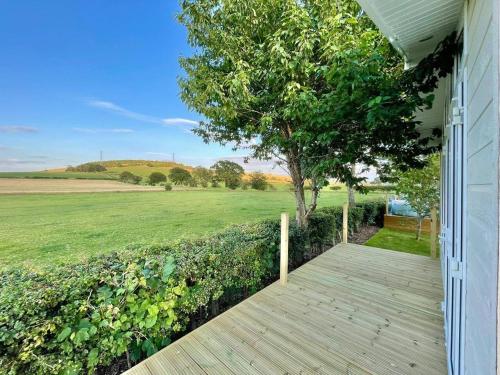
[482,189]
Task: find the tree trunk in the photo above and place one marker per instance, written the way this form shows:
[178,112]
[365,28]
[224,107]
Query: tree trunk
[419,227]
[298,187]
[350,189]
[351,196]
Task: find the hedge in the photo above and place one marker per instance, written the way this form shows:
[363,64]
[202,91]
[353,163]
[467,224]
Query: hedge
[76,318]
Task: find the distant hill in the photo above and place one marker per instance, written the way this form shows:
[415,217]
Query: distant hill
[144,168]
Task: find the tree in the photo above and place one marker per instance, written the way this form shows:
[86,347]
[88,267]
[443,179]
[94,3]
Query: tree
[156,178]
[202,176]
[180,176]
[229,172]
[129,178]
[420,187]
[258,181]
[312,83]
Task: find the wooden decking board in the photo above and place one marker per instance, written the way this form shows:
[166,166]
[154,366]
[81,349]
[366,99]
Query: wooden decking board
[379,329]
[351,339]
[353,310]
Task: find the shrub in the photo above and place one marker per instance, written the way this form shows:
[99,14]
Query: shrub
[129,178]
[180,176]
[168,187]
[335,187]
[233,182]
[156,178]
[71,319]
[202,176]
[258,181]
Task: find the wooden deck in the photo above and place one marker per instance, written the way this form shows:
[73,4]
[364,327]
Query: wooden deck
[353,310]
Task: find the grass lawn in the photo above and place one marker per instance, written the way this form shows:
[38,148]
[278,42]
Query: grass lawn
[38,229]
[401,241]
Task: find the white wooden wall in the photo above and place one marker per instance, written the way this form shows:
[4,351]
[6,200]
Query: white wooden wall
[482,212]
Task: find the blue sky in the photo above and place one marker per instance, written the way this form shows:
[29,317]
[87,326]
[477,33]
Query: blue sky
[81,76]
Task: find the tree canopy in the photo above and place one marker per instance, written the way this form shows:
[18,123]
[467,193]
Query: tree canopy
[312,83]
[229,172]
[156,178]
[180,176]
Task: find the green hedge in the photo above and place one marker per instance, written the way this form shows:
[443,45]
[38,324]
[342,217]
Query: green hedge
[72,319]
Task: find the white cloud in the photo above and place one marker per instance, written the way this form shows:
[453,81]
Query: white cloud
[112,107]
[180,121]
[17,129]
[97,131]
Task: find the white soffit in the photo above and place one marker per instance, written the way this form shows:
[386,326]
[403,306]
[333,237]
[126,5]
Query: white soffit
[414,27]
[433,118]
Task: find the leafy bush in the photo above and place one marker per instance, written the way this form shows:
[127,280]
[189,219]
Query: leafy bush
[258,181]
[129,178]
[335,187]
[71,319]
[180,176]
[233,182]
[156,178]
[87,167]
[202,176]
[168,187]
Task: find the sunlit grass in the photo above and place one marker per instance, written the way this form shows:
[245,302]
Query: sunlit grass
[43,229]
[401,241]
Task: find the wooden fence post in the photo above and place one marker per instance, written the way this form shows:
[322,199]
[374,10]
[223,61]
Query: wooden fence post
[284,249]
[434,233]
[345,215]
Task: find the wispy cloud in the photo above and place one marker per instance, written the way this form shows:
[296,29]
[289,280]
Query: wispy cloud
[112,107]
[97,131]
[180,121]
[17,129]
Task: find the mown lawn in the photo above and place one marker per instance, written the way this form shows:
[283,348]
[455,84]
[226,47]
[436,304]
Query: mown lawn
[400,241]
[39,230]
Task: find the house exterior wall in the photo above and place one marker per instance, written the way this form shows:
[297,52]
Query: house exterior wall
[481,208]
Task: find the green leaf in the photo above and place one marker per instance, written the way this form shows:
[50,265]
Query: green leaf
[64,334]
[93,358]
[150,321]
[168,268]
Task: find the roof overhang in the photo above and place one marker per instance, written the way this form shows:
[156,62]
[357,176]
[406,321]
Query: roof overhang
[414,27]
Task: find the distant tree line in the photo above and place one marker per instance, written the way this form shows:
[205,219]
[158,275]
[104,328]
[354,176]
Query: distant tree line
[224,171]
[87,167]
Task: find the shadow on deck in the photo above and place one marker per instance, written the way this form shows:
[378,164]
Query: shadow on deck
[352,310]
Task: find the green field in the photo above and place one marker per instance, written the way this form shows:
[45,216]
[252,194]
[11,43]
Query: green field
[38,229]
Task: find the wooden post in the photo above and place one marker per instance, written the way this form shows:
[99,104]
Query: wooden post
[284,249]
[386,203]
[345,215]
[434,233]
